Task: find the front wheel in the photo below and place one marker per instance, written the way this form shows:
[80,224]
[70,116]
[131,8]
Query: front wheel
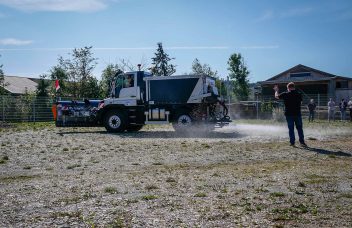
[115,121]
[183,122]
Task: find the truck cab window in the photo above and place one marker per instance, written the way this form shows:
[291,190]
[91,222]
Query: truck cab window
[123,81]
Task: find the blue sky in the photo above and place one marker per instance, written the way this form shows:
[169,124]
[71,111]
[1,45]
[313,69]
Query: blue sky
[271,35]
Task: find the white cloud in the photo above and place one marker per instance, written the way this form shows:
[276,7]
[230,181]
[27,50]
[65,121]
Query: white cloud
[260,47]
[56,5]
[15,42]
[266,16]
[294,12]
[121,48]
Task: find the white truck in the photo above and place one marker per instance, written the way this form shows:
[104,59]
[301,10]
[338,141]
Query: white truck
[138,98]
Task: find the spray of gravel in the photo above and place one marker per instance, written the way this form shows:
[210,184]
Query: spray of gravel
[280,132]
[247,132]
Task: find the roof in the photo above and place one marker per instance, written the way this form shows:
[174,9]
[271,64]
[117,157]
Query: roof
[315,75]
[19,85]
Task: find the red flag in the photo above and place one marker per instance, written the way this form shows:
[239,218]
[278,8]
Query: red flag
[57,86]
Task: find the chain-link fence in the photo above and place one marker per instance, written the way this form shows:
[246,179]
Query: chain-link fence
[29,108]
[267,107]
[25,108]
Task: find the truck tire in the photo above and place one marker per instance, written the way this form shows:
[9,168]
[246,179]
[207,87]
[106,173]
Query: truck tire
[183,122]
[115,121]
[133,128]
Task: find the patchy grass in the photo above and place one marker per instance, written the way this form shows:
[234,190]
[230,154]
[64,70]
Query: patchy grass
[150,187]
[73,166]
[347,195]
[61,214]
[277,194]
[200,194]
[17,178]
[4,159]
[316,179]
[110,190]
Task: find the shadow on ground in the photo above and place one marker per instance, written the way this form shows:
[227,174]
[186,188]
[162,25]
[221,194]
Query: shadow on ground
[328,152]
[162,134]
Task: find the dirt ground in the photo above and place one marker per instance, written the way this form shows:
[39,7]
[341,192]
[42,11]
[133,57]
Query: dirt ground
[245,174]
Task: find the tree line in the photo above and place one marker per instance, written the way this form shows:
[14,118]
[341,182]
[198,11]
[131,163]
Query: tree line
[76,79]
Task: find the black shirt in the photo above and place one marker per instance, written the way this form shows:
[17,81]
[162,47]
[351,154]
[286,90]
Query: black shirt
[292,101]
[312,106]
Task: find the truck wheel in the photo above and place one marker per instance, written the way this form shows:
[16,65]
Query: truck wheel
[132,128]
[115,121]
[183,122]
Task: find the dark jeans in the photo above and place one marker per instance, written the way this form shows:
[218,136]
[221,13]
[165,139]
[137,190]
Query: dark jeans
[311,116]
[350,114]
[291,122]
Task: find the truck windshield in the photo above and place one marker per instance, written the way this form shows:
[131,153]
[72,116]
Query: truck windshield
[125,81]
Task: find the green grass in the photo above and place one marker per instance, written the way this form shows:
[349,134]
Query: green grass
[23,126]
[200,194]
[73,166]
[4,159]
[110,190]
[17,178]
[315,179]
[346,195]
[277,194]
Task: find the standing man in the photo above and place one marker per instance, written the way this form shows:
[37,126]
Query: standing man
[331,110]
[350,108]
[343,107]
[292,100]
[311,108]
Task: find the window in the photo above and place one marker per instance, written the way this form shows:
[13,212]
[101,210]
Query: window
[301,74]
[342,84]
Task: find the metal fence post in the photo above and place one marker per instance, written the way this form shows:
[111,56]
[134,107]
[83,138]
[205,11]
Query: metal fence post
[318,106]
[3,108]
[34,110]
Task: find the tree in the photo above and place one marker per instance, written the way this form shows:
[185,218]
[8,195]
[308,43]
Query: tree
[79,70]
[160,62]
[2,80]
[42,87]
[205,69]
[107,77]
[239,76]
[90,88]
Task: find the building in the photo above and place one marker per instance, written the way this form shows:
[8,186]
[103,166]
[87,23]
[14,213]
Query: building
[311,82]
[15,85]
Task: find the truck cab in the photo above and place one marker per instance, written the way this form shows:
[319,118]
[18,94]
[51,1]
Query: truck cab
[129,85]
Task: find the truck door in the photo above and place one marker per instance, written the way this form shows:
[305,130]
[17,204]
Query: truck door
[126,86]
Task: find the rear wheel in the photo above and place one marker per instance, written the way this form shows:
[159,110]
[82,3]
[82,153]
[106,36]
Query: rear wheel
[115,121]
[133,128]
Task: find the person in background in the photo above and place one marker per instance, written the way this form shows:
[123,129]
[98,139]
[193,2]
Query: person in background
[331,110]
[343,107]
[350,108]
[292,100]
[311,108]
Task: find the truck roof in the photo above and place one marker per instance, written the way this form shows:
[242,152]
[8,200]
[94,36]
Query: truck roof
[176,77]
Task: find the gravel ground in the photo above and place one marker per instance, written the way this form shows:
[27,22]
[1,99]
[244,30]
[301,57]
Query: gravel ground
[241,175]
